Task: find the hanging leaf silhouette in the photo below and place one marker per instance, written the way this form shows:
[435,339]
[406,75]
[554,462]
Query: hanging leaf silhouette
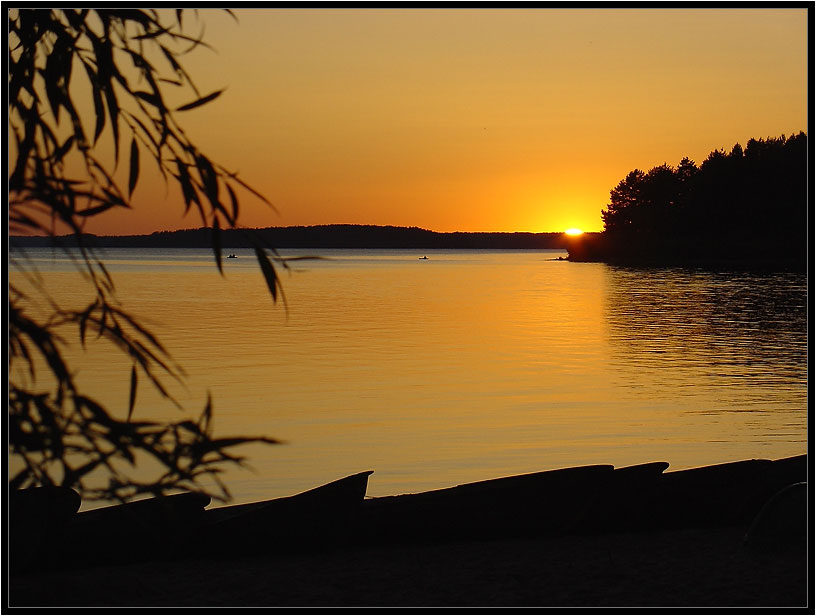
[63,149]
[216,242]
[113,112]
[234,201]
[201,101]
[268,271]
[187,189]
[134,377]
[134,166]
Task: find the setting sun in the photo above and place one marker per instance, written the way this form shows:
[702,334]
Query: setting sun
[573,231]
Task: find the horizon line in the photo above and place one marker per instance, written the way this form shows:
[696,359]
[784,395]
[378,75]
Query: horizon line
[323,225]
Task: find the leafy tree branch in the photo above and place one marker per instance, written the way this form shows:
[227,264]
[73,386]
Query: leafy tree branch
[60,174]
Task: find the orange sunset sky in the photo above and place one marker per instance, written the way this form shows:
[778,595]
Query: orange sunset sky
[472,120]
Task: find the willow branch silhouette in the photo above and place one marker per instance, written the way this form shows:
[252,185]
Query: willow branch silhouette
[61,176]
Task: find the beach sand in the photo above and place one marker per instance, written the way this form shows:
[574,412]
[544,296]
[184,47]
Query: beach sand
[667,568]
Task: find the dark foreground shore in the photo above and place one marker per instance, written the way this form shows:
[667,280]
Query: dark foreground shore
[726,535]
[677,568]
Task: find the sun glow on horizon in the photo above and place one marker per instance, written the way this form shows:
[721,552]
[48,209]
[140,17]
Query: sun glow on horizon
[574,231]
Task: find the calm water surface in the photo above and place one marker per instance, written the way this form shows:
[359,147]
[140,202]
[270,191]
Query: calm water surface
[465,366]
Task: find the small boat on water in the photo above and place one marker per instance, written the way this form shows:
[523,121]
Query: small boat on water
[423,258]
[232,257]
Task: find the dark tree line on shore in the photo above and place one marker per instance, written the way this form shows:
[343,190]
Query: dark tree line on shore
[748,205]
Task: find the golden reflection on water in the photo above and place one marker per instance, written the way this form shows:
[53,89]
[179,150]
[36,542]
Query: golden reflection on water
[466,366]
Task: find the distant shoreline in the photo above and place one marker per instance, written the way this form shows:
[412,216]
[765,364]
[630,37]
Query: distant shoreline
[319,236]
[591,246]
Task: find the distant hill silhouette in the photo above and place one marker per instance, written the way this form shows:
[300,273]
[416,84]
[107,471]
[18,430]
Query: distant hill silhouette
[321,236]
[746,207]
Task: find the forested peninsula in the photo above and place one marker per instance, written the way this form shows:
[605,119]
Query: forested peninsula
[321,236]
[745,207]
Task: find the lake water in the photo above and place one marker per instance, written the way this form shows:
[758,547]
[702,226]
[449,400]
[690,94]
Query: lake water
[465,366]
